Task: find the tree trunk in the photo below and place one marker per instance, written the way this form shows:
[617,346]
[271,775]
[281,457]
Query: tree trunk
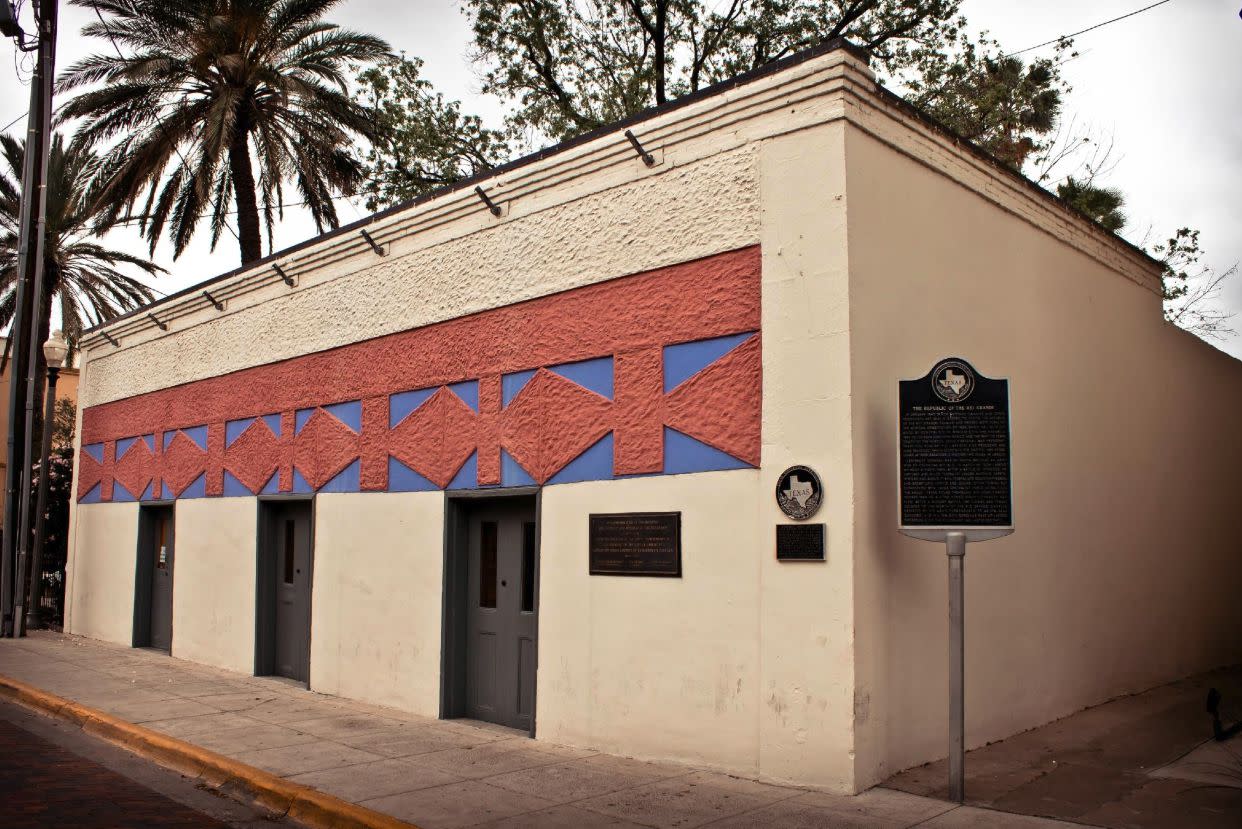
[249,231]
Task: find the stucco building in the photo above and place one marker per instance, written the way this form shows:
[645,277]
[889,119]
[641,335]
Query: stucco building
[375,468]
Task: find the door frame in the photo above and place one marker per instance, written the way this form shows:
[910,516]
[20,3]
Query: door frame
[265,586]
[144,561]
[455,597]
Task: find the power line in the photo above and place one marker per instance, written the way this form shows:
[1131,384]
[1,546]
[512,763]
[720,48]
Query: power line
[10,124]
[1088,29]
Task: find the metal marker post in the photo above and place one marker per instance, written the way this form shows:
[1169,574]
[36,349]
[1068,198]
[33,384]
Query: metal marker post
[953,423]
[956,546]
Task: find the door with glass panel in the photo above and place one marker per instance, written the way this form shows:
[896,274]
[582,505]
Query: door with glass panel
[502,573]
[154,594]
[285,567]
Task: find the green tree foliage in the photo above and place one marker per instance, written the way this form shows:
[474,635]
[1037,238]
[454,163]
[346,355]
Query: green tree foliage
[83,274]
[217,102]
[1005,106]
[423,141]
[569,66]
[1100,203]
[64,424]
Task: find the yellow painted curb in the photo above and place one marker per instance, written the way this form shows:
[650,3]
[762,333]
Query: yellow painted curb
[308,806]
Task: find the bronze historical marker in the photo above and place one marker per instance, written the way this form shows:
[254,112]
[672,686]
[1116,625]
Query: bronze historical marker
[954,449]
[635,544]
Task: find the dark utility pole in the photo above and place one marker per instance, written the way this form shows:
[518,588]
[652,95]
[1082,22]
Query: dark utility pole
[56,356]
[29,299]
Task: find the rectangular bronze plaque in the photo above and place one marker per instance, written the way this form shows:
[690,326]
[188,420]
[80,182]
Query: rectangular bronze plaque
[799,542]
[636,544]
[954,449]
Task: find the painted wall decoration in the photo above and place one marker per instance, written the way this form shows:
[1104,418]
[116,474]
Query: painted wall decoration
[652,374]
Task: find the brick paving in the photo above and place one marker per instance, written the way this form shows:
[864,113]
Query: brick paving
[43,786]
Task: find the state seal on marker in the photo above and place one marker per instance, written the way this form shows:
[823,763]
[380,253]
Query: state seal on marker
[952,381]
[799,492]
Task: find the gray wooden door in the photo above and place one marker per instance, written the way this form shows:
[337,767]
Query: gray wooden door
[162,556]
[502,574]
[291,546]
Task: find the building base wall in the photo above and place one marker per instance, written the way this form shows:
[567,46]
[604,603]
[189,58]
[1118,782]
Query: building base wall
[378,597]
[214,582]
[100,577]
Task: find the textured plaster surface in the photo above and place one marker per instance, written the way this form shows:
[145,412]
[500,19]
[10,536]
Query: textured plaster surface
[100,581]
[1123,570]
[375,612]
[805,628]
[549,422]
[676,215]
[214,582]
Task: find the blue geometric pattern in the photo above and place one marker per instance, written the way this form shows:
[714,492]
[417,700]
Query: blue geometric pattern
[233,429]
[403,404]
[684,360]
[683,453]
[595,464]
[468,476]
[344,481]
[468,391]
[197,489]
[300,485]
[512,384]
[95,450]
[349,413]
[512,473]
[595,375]
[403,479]
[198,434]
[233,487]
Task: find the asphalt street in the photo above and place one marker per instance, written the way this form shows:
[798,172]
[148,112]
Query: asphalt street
[54,775]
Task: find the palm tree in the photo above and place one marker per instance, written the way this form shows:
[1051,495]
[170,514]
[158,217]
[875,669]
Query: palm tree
[77,270]
[220,102]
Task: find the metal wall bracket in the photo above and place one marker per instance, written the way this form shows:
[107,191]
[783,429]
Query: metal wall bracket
[495,209]
[647,157]
[115,343]
[289,280]
[219,305]
[163,326]
[375,246]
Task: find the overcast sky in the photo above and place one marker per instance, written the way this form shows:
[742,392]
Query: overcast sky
[1166,84]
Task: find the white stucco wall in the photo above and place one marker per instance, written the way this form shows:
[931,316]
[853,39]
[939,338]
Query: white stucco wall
[377,598]
[214,582]
[1123,571]
[100,578]
[743,663]
[662,668]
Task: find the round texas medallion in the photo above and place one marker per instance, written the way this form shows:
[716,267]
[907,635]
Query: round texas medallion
[953,380]
[799,492]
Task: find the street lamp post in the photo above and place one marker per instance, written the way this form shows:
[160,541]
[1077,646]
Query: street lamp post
[54,351]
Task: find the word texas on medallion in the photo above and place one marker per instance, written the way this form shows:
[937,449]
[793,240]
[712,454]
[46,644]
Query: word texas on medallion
[799,492]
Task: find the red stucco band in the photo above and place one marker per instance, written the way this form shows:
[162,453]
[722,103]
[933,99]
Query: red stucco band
[545,427]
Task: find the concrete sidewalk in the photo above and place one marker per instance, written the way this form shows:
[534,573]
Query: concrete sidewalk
[1145,761]
[442,773]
